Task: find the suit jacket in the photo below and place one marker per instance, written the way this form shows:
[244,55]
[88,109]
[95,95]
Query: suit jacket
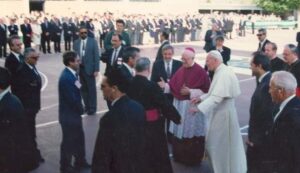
[277,64]
[107,58]
[12,63]
[261,109]
[28,88]
[295,70]
[26,30]
[67,28]
[70,105]
[262,49]
[46,29]
[125,42]
[159,55]
[91,59]
[119,145]
[209,41]
[285,141]
[13,30]
[126,73]
[3,35]
[225,54]
[17,152]
[159,70]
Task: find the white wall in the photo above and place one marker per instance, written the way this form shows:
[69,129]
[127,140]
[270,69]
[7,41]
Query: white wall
[14,6]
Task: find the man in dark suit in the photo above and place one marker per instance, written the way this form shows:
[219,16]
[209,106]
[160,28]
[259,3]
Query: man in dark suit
[124,150]
[225,51]
[276,63]
[13,29]
[150,95]
[91,28]
[210,37]
[164,39]
[130,55]
[290,55]
[113,56]
[27,33]
[166,67]
[262,38]
[261,118]
[56,34]
[46,35]
[70,111]
[119,31]
[67,28]
[27,87]
[3,38]
[15,58]
[16,150]
[88,51]
[285,132]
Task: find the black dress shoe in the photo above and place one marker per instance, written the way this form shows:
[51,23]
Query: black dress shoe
[84,165]
[69,169]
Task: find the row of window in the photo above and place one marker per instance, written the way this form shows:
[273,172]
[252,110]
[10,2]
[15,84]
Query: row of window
[113,0]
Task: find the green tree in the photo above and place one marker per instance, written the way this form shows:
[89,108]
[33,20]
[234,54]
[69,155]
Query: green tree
[278,6]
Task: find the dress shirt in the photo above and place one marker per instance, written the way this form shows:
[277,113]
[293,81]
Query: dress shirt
[170,66]
[2,94]
[83,47]
[114,101]
[131,70]
[283,104]
[115,54]
[72,71]
[33,68]
[16,55]
[262,76]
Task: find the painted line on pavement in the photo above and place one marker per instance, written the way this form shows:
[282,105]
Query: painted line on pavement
[49,107]
[56,122]
[46,81]
[246,80]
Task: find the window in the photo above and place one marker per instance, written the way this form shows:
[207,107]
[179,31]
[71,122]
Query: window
[145,0]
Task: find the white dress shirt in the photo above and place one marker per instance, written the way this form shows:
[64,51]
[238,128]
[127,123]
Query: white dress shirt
[283,104]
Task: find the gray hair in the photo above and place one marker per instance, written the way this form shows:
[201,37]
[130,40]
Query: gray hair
[28,51]
[216,55]
[263,30]
[285,80]
[168,47]
[142,64]
[293,48]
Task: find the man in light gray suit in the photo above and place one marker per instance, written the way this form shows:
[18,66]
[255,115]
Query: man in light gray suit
[88,51]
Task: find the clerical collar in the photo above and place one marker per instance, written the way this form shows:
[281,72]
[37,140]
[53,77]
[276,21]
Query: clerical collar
[2,94]
[262,76]
[72,71]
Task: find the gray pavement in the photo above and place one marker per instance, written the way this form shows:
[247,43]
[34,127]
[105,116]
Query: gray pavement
[49,131]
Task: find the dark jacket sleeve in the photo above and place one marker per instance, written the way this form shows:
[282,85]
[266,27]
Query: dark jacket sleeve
[167,109]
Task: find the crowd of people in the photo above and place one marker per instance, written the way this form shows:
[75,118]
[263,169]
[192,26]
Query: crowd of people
[180,102]
[40,29]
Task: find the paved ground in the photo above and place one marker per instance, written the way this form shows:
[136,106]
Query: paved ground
[50,66]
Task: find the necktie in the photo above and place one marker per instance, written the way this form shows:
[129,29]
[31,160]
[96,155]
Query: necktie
[168,70]
[275,111]
[114,57]
[83,48]
[259,46]
[35,70]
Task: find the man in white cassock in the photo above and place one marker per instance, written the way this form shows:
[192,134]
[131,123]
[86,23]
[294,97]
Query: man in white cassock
[224,143]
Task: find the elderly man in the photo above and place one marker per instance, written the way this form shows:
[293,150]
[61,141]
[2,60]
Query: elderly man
[152,98]
[223,128]
[276,63]
[284,135]
[188,82]
[291,57]
[27,87]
